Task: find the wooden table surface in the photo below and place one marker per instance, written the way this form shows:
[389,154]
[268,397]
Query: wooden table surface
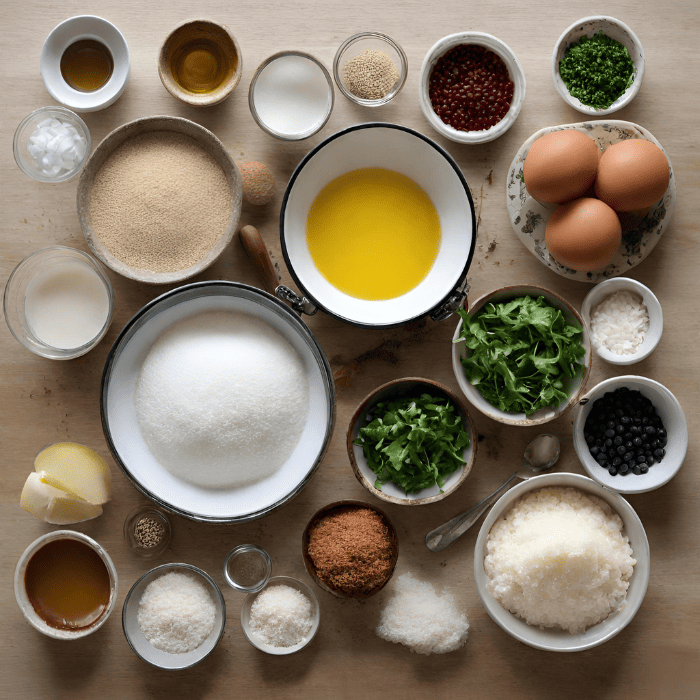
[43,402]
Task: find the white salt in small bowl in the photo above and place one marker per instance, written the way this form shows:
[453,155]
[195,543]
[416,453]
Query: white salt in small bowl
[656,318]
[157,657]
[256,641]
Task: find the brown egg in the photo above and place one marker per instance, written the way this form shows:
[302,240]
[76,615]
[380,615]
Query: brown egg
[632,175]
[583,235]
[561,166]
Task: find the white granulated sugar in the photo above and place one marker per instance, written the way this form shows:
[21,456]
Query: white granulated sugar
[222,399]
[620,322]
[281,616]
[421,619]
[558,558]
[176,613]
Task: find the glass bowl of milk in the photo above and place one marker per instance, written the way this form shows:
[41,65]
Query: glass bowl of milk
[59,303]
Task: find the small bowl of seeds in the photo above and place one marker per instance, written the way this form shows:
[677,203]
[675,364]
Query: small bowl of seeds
[370,69]
[147,531]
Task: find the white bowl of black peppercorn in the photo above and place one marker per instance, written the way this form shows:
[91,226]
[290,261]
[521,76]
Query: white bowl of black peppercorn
[670,435]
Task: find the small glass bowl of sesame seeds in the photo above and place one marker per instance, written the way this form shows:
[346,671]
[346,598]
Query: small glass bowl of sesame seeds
[370,69]
[147,531]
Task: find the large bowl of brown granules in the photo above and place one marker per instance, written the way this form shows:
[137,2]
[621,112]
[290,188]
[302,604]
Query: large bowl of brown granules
[350,549]
[159,199]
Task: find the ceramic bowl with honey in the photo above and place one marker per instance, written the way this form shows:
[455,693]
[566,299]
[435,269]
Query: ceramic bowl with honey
[200,62]
[65,585]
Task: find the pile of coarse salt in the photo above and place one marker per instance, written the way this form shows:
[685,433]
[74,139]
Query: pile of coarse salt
[281,616]
[176,613]
[56,147]
[619,323]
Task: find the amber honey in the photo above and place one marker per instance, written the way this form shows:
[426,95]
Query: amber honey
[87,65]
[201,65]
[67,584]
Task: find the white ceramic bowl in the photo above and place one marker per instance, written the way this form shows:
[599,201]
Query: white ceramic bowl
[515,70]
[551,639]
[673,418]
[397,148]
[157,657]
[404,388]
[574,387]
[259,643]
[67,33]
[656,317]
[588,26]
[21,592]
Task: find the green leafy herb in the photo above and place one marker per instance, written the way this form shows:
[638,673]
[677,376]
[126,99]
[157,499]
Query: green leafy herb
[520,352]
[414,443]
[597,70]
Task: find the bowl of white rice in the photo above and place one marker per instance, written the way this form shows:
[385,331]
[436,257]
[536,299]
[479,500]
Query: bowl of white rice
[625,320]
[561,563]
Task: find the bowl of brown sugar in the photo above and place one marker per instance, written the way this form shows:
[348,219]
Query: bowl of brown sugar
[350,549]
[159,200]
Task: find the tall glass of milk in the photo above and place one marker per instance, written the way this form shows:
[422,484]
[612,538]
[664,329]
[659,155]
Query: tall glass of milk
[59,303]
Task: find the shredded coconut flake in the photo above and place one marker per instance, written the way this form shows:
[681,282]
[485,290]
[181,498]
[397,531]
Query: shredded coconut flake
[421,619]
[619,323]
[281,616]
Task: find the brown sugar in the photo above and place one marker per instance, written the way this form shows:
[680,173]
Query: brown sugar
[352,550]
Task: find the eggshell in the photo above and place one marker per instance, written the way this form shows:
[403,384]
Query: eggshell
[561,166]
[632,175]
[584,234]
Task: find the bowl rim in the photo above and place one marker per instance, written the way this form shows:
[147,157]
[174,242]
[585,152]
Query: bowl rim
[403,69]
[295,583]
[309,565]
[218,601]
[626,96]
[290,187]
[466,419]
[497,414]
[621,508]
[206,99]
[505,53]
[597,296]
[630,380]
[20,591]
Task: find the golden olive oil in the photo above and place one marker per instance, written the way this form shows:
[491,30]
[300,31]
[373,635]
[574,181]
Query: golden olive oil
[373,233]
[86,65]
[201,66]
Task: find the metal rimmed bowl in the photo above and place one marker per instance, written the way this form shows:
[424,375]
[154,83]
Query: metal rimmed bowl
[573,387]
[310,566]
[120,423]
[402,150]
[209,143]
[405,388]
[136,638]
[551,639]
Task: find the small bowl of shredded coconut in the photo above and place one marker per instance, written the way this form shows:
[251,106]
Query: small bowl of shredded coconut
[561,563]
[625,320]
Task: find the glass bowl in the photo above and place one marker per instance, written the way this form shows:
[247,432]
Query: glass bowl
[31,268]
[131,538]
[247,568]
[26,129]
[369,41]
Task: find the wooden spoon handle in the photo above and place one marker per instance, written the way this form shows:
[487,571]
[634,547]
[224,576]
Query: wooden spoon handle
[254,247]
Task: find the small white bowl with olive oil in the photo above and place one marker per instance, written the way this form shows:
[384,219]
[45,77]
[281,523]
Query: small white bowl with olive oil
[85,63]
[378,227]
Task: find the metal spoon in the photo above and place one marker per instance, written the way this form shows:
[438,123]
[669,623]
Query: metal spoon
[541,454]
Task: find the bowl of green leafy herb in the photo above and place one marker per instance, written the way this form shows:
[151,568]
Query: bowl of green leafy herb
[521,355]
[411,442]
[598,65]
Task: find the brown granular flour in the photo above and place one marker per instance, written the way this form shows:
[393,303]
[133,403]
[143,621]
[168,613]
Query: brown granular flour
[352,550]
[160,202]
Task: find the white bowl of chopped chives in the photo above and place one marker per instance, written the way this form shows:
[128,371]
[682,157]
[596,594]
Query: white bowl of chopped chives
[579,55]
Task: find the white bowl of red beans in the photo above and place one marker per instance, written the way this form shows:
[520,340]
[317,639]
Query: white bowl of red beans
[472,87]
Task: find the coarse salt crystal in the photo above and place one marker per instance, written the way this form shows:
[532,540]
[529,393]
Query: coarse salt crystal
[55,147]
[619,323]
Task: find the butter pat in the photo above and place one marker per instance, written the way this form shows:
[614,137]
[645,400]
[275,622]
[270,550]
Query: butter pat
[53,505]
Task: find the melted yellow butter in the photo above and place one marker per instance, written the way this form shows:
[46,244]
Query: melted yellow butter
[373,233]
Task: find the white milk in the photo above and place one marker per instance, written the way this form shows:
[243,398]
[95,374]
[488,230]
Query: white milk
[292,95]
[66,305]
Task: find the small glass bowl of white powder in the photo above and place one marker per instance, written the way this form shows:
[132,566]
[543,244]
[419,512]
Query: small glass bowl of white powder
[625,320]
